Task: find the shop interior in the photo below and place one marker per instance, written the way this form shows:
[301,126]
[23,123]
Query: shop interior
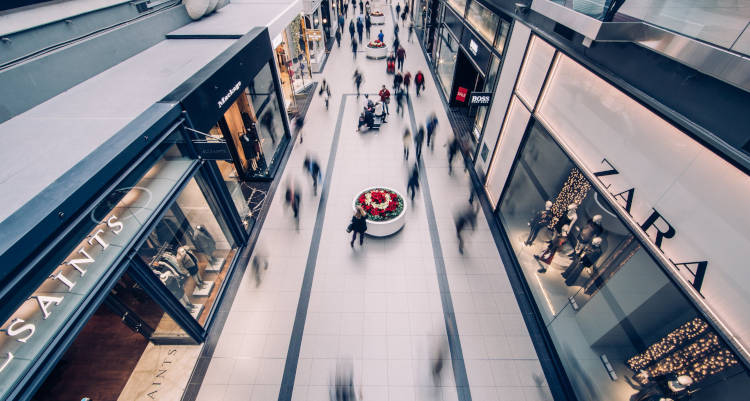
[253,127]
[190,251]
[102,358]
[623,329]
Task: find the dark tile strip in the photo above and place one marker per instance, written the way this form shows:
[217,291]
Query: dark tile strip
[207,352]
[454,341]
[295,343]
[557,378]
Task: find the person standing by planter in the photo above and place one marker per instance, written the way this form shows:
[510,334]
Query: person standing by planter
[385,98]
[358,226]
[381,36]
[419,81]
[400,57]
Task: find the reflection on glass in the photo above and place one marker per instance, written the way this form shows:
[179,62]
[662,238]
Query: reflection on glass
[190,250]
[502,36]
[593,8]
[446,60]
[602,296]
[483,20]
[247,196]
[458,5]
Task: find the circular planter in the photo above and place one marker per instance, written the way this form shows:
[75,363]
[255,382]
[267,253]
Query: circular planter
[377,19]
[388,227]
[376,52]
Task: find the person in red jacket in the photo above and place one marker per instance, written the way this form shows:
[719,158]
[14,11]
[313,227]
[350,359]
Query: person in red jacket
[385,98]
[419,81]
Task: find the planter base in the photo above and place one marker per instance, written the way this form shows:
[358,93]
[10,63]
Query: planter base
[384,228]
[376,52]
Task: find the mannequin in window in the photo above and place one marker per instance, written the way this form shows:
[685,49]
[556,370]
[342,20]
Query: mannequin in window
[187,259]
[204,242]
[593,228]
[586,258]
[172,280]
[540,219]
[557,241]
[568,218]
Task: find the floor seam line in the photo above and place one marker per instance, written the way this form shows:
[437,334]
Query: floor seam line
[295,342]
[449,314]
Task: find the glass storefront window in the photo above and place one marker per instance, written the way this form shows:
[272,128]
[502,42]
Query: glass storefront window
[446,61]
[604,299]
[247,196]
[190,251]
[483,20]
[459,6]
[502,36]
[254,126]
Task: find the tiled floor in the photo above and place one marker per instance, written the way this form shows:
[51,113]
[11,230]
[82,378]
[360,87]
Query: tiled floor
[378,306]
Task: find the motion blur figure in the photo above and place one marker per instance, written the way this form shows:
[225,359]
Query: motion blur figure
[313,168]
[259,265]
[464,218]
[342,388]
[292,199]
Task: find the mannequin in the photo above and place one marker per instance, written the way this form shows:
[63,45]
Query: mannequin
[557,241]
[586,258]
[540,219]
[187,259]
[593,228]
[204,242]
[171,259]
[568,218]
[175,287]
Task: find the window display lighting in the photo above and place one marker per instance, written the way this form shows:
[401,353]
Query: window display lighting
[574,190]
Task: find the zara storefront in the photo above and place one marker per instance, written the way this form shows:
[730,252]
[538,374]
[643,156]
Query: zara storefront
[629,234]
[108,295]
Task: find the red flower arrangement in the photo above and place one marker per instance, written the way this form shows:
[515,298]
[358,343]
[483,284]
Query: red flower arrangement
[381,204]
[376,13]
[376,44]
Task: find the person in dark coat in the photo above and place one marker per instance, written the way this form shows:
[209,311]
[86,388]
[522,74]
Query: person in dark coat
[412,185]
[400,56]
[351,29]
[397,80]
[398,9]
[368,25]
[418,140]
[359,225]
[432,122]
[313,168]
[354,48]
[407,82]
[453,148]
[338,38]
[360,28]
[467,217]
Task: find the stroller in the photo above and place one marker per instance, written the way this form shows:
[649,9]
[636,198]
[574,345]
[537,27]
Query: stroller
[390,64]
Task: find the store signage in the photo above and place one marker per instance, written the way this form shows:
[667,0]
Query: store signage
[473,46]
[229,94]
[212,150]
[480,98]
[655,226]
[461,94]
[37,314]
[314,34]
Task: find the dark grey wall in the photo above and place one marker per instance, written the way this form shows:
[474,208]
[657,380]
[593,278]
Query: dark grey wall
[33,82]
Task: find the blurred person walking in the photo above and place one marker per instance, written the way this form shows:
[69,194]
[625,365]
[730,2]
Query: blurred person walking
[407,143]
[358,226]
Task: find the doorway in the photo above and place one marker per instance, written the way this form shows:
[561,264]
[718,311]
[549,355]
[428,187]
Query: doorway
[467,79]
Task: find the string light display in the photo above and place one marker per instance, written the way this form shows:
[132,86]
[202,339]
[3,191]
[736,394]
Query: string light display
[692,349]
[574,190]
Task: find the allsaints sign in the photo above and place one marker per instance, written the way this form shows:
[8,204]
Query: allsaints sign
[656,227]
[27,331]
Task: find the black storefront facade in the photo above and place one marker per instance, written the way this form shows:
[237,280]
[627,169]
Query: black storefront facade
[465,45]
[146,233]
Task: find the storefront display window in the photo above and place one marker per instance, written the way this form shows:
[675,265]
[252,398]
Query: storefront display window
[446,61]
[458,5]
[254,126]
[502,35]
[622,328]
[190,251]
[247,196]
[483,20]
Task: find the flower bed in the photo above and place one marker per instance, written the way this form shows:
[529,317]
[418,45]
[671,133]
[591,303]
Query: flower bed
[376,13]
[376,44]
[377,17]
[385,209]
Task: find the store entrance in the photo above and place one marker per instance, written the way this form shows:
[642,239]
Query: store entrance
[467,79]
[101,361]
